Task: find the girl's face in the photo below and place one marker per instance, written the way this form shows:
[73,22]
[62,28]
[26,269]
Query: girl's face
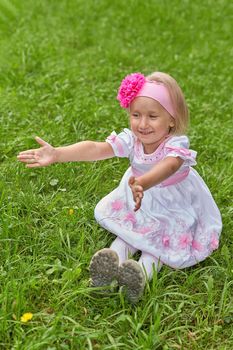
[150,122]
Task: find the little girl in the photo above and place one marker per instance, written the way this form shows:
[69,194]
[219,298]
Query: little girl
[162,207]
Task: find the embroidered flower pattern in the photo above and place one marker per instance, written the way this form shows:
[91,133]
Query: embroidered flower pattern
[166,240]
[197,246]
[117,205]
[126,218]
[129,88]
[181,223]
[185,240]
[214,243]
[144,230]
[130,217]
[158,233]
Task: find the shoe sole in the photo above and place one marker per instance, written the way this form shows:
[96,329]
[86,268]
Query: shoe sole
[132,279]
[104,267]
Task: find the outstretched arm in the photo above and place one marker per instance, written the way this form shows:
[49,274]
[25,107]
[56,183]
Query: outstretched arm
[160,172]
[81,151]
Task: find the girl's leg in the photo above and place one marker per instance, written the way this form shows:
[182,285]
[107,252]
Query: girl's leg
[149,263]
[131,277]
[122,249]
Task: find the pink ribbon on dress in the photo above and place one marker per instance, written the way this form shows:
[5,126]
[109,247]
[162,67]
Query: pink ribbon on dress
[182,151]
[172,180]
[113,139]
[175,179]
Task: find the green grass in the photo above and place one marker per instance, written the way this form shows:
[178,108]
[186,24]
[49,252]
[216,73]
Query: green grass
[61,65]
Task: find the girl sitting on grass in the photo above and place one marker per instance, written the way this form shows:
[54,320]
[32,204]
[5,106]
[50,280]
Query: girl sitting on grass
[162,207]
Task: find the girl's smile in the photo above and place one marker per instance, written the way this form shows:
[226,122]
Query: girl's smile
[150,122]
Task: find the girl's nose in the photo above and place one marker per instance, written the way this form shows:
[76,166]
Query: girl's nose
[143,123]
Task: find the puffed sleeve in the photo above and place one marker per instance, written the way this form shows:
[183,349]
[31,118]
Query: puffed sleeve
[178,146]
[122,143]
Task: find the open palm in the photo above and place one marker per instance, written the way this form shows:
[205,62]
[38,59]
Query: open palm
[42,156]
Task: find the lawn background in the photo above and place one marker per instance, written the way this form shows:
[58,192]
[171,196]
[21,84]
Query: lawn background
[61,65]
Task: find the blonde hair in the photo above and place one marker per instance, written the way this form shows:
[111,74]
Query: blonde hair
[177,99]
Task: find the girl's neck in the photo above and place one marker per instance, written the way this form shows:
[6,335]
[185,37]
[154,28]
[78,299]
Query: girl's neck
[149,149]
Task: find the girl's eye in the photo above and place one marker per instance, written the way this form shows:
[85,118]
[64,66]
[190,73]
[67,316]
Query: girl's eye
[135,115]
[153,116]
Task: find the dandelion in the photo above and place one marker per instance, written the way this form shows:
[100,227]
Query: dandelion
[26,317]
[71,211]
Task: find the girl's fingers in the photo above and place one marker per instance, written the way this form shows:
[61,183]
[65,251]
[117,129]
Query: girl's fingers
[41,141]
[33,165]
[138,200]
[137,204]
[131,180]
[138,188]
[29,160]
[26,156]
[138,191]
[30,151]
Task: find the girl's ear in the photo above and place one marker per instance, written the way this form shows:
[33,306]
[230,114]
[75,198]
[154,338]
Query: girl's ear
[172,123]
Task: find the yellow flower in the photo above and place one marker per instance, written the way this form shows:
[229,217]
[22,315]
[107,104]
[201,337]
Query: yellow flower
[26,317]
[71,211]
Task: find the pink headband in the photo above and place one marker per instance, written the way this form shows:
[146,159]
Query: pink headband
[135,85]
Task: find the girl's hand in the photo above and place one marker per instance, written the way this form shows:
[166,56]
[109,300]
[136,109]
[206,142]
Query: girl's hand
[137,191]
[42,156]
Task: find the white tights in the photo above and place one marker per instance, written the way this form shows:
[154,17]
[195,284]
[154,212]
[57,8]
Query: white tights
[147,261]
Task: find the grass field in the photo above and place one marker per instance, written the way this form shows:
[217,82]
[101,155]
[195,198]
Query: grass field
[61,64]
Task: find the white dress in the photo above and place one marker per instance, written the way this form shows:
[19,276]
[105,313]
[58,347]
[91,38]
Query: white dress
[179,222]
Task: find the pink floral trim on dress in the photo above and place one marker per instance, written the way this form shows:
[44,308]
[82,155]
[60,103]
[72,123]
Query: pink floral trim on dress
[156,232]
[157,155]
[166,241]
[144,230]
[185,240]
[214,243]
[197,246]
[119,212]
[117,205]
[130,217]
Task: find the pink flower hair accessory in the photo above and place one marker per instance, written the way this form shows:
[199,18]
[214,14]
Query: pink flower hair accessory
[136,85]
[129,88]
